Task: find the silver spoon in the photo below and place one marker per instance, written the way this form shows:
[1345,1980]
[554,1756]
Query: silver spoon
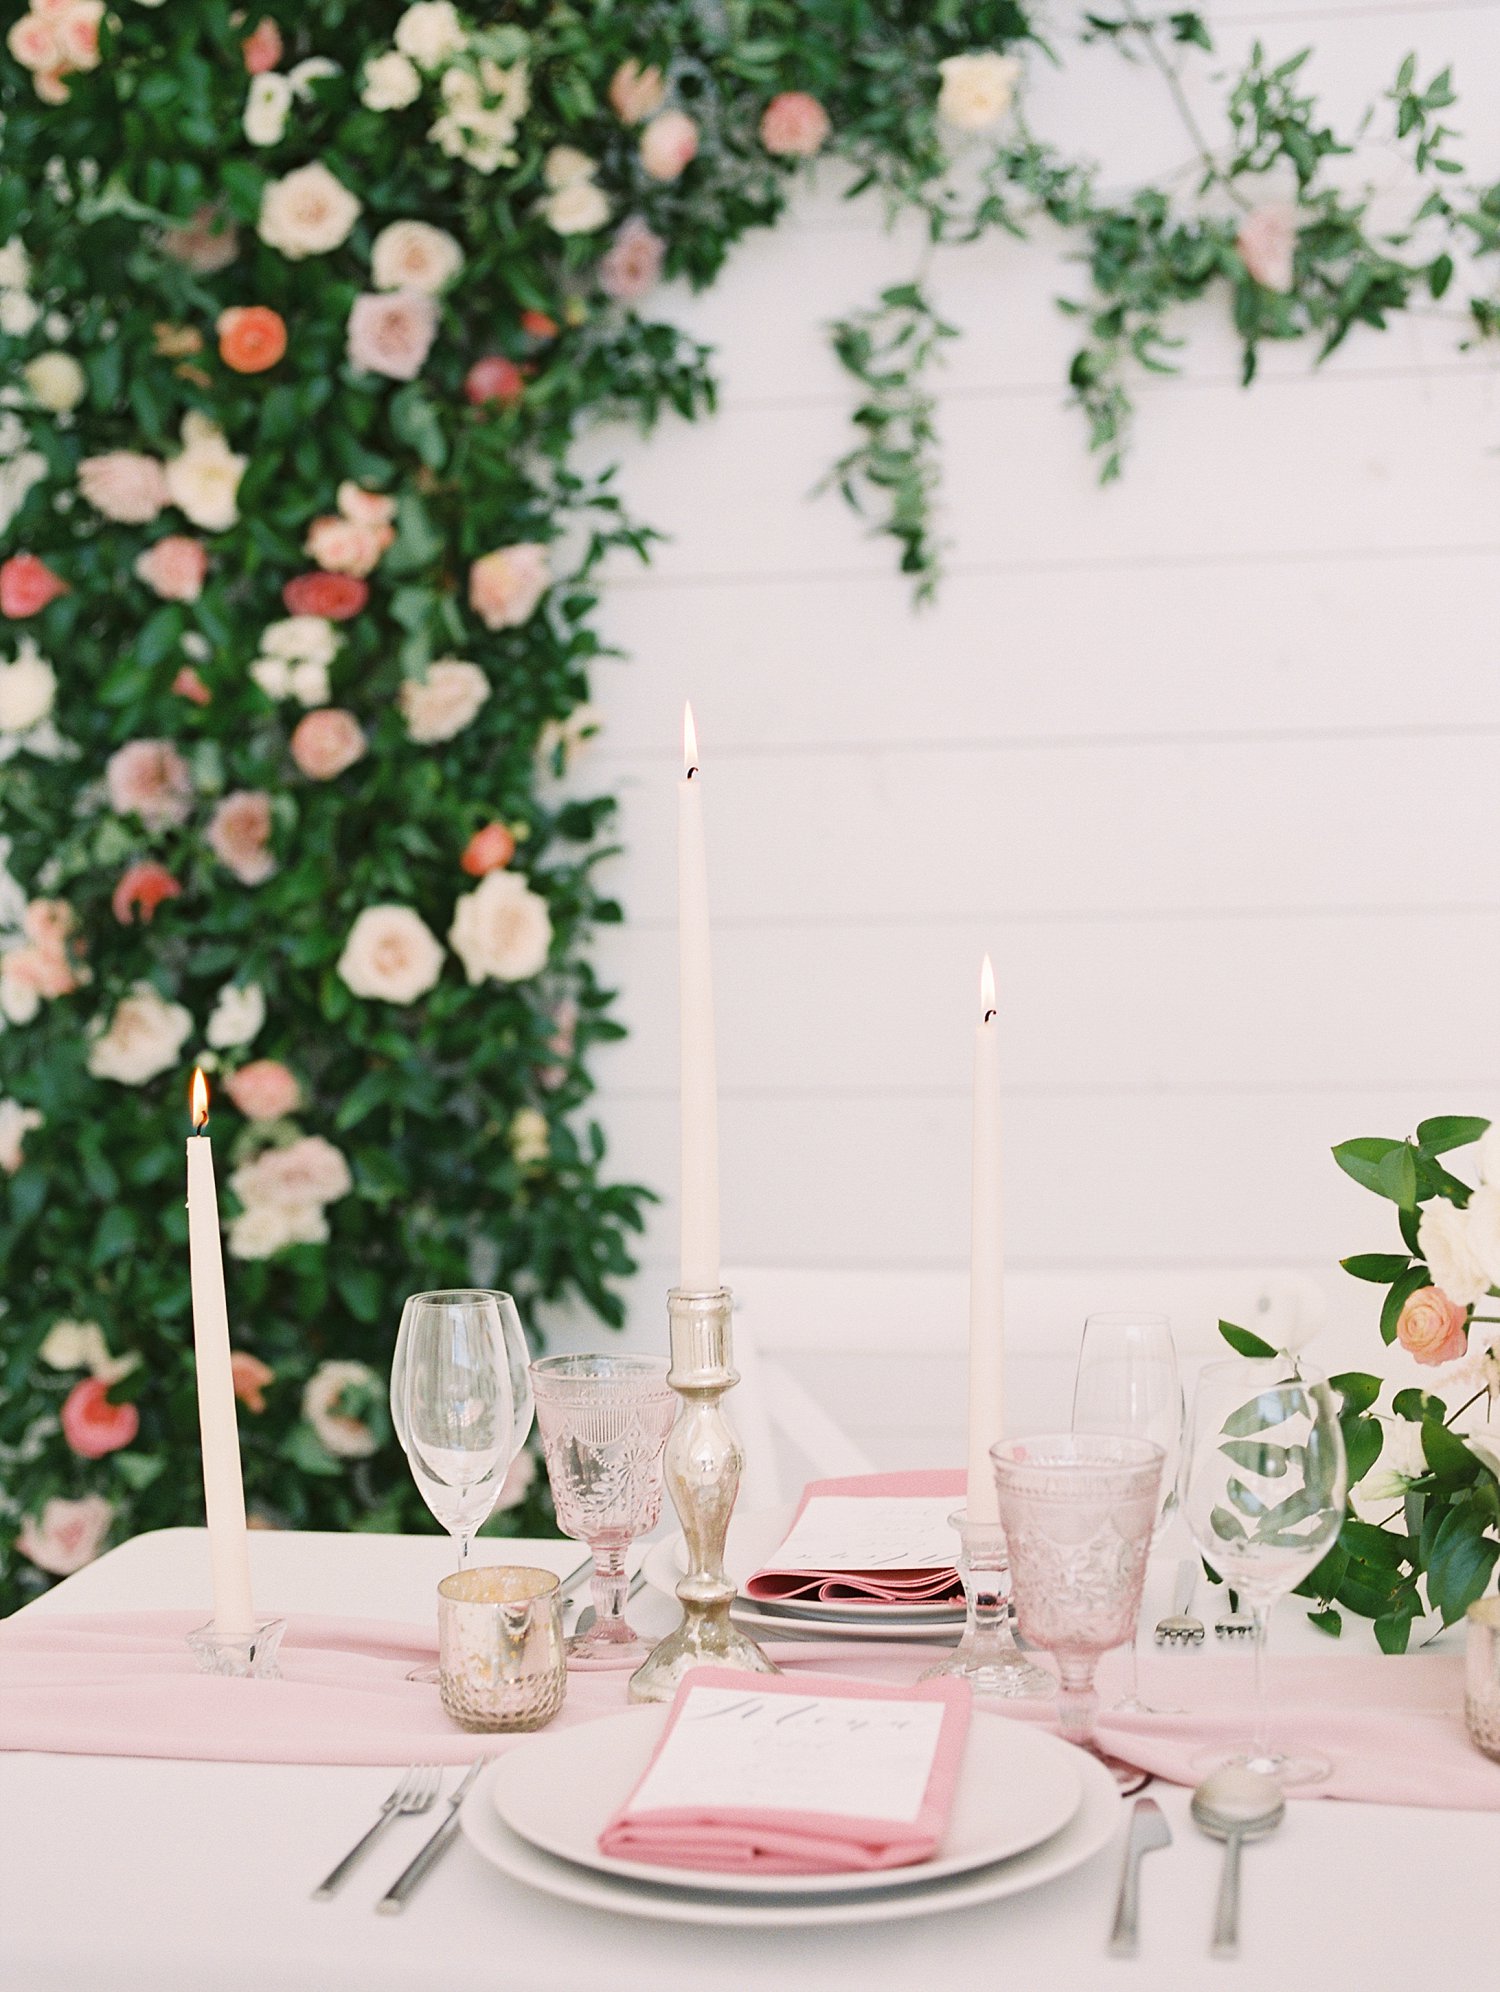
[1235,1805]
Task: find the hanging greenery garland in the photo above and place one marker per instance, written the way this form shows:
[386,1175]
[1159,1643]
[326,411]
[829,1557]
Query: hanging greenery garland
[303,311]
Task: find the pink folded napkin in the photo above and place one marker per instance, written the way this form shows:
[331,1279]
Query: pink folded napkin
[884,1762]
[777,1579]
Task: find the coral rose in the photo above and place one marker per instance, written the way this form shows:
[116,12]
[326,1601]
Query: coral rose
[1267,243]
[391,955]
[326,742]
[489,849]
[27,585]
[175,567]
[125,485]
[632,265]
[239,835]
[636,94]
[669,144]
[391,332]
[264,1090]
[1433,1328]
[335,597]
[537,325]
[261,48]
[92,1425]
[149,779]
[67,1534]
[506,585]
[250,1375]
[188,685]
[252,337]
[494,378]
[142,888]
[794,125]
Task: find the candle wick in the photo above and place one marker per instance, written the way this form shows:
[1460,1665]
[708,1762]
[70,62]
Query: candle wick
[692,773]
[990,1016]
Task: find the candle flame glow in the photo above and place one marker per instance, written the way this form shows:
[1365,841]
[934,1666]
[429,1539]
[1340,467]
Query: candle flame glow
[200,1099]
[986,990]
[689,742]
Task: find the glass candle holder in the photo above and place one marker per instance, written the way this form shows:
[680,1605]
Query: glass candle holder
[1482,1675]
[501,1659]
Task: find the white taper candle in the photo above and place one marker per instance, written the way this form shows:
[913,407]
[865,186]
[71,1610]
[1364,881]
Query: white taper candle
[699,1191]
[986,1263]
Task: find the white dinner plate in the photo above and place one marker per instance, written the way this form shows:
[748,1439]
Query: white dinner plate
[1091,1829]
[765,1622]
[1017,1786]
[754,1537]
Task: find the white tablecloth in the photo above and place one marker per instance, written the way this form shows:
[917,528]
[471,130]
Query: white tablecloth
[137,1875]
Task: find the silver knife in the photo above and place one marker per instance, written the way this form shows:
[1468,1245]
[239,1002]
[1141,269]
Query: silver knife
[1148,1829]
[405,1884]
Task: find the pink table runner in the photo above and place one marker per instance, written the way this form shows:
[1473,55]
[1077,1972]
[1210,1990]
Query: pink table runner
[889,1586]
[126,1685]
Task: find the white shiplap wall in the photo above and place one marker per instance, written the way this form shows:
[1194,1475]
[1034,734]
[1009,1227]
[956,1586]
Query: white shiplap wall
[1207,760]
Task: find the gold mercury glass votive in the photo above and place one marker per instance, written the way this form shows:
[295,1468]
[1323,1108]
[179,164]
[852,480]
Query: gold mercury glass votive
[1482,1676]
[502,1663]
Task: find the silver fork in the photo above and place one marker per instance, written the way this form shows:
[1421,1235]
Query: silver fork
[404,1886]
[1234,1625]
[1179,1627]
[415,1793]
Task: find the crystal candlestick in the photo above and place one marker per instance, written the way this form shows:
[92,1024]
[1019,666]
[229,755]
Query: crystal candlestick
[987,1656]
[702,1467]
[252,1658]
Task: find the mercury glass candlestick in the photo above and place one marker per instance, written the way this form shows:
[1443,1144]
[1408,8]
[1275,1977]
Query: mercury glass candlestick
[987,1656]
[702,1468]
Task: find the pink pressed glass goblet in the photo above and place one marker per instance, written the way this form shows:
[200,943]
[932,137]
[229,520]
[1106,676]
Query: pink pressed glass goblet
[604,1422]
[1078,1511]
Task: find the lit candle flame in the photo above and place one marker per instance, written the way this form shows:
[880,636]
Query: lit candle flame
[689,742]
[986,990]
[200,1100]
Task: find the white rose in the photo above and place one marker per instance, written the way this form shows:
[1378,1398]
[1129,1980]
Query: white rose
[267,107]
[15,265]
[238,1013]
[445,701]
[1444,1241]
[566,166]
[391,955]
[301,640]
[312,70]
[71,1345]
[308,1170]
[55,381]
[431,33]
[978,89]
[530,1138]
[204,481]
[20,999]
[1488,1154]
[306,683]
[578,209]
[18,313]
[66,1535]
[16,480]
[307,213]
[1482,1229]
[28,688]
[412,255]
[145,1037]
[16,1122]
[391,82]
[344,1435]
[501,929]
[265,1229]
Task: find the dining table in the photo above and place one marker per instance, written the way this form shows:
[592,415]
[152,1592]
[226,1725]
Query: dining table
[143,1874]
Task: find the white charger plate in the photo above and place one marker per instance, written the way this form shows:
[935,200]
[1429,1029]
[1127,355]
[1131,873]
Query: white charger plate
[764,1621]
[1091,1829]
[1017,1787]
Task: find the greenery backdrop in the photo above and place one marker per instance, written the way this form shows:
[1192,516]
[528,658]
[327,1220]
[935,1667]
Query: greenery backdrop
[302,310]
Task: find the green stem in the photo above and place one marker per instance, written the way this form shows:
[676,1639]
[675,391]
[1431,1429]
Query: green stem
[1481,1392]
[1173,81]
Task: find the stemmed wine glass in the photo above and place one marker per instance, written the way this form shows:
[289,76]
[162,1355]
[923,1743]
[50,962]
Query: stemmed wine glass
[1128,1384]
[1263,1492]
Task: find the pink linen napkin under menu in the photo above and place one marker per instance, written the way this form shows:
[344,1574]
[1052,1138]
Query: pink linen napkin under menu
[814,1776]
[935,1492]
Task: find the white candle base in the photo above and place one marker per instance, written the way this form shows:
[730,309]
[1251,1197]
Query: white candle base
[251,1658]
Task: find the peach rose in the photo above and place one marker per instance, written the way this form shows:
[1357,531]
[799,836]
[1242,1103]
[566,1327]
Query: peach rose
[264,1090]
[1267,243]
[43,965]
[124,485]
[149,779]
[391,332]
[794,125]
[366,508]
[391,955]
[27,585]
[444,700]
[494,378]
[92,1425]
[1433,1328]
[250,1377]
[326,742]
[175,567]
[669,144]
[252,337]
[188,685]
[142,888]
[67,1534]
[261,48]
[77,29]
[489,849]
[307,1171]
[506,585]
[632,265]
[16,1122]
[347,546]
[239,835]
[636,94]
[209,241]
[334,597]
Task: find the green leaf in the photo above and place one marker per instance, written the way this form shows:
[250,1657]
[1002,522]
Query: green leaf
[360,1289]
[1328,1620]
[306,1450]
[1412,1281]
[138,1470]
[1226,1526]
[1462,1558]
[1243,1342]
[1270,1462]
[1358,1388]
[1393,1629]
[1267,1409]
[1365,1158]
[1448,1131]
[1363,1439]
[415,422]
[1380,1267]
[1375,1545]
[1446,1453]
[1417,1405]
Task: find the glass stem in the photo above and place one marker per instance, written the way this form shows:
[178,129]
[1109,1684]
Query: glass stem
[1132,1674]
[607,1585]
[1076,1699]
[1261,1738]
[465,1537]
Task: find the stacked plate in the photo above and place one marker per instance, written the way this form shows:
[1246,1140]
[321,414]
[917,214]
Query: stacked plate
[754,1537]
[1027,1809]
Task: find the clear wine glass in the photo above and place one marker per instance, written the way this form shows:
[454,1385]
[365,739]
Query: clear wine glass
[1128,1384]
[1078,1510]
[1263,1490]
[604,1422]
